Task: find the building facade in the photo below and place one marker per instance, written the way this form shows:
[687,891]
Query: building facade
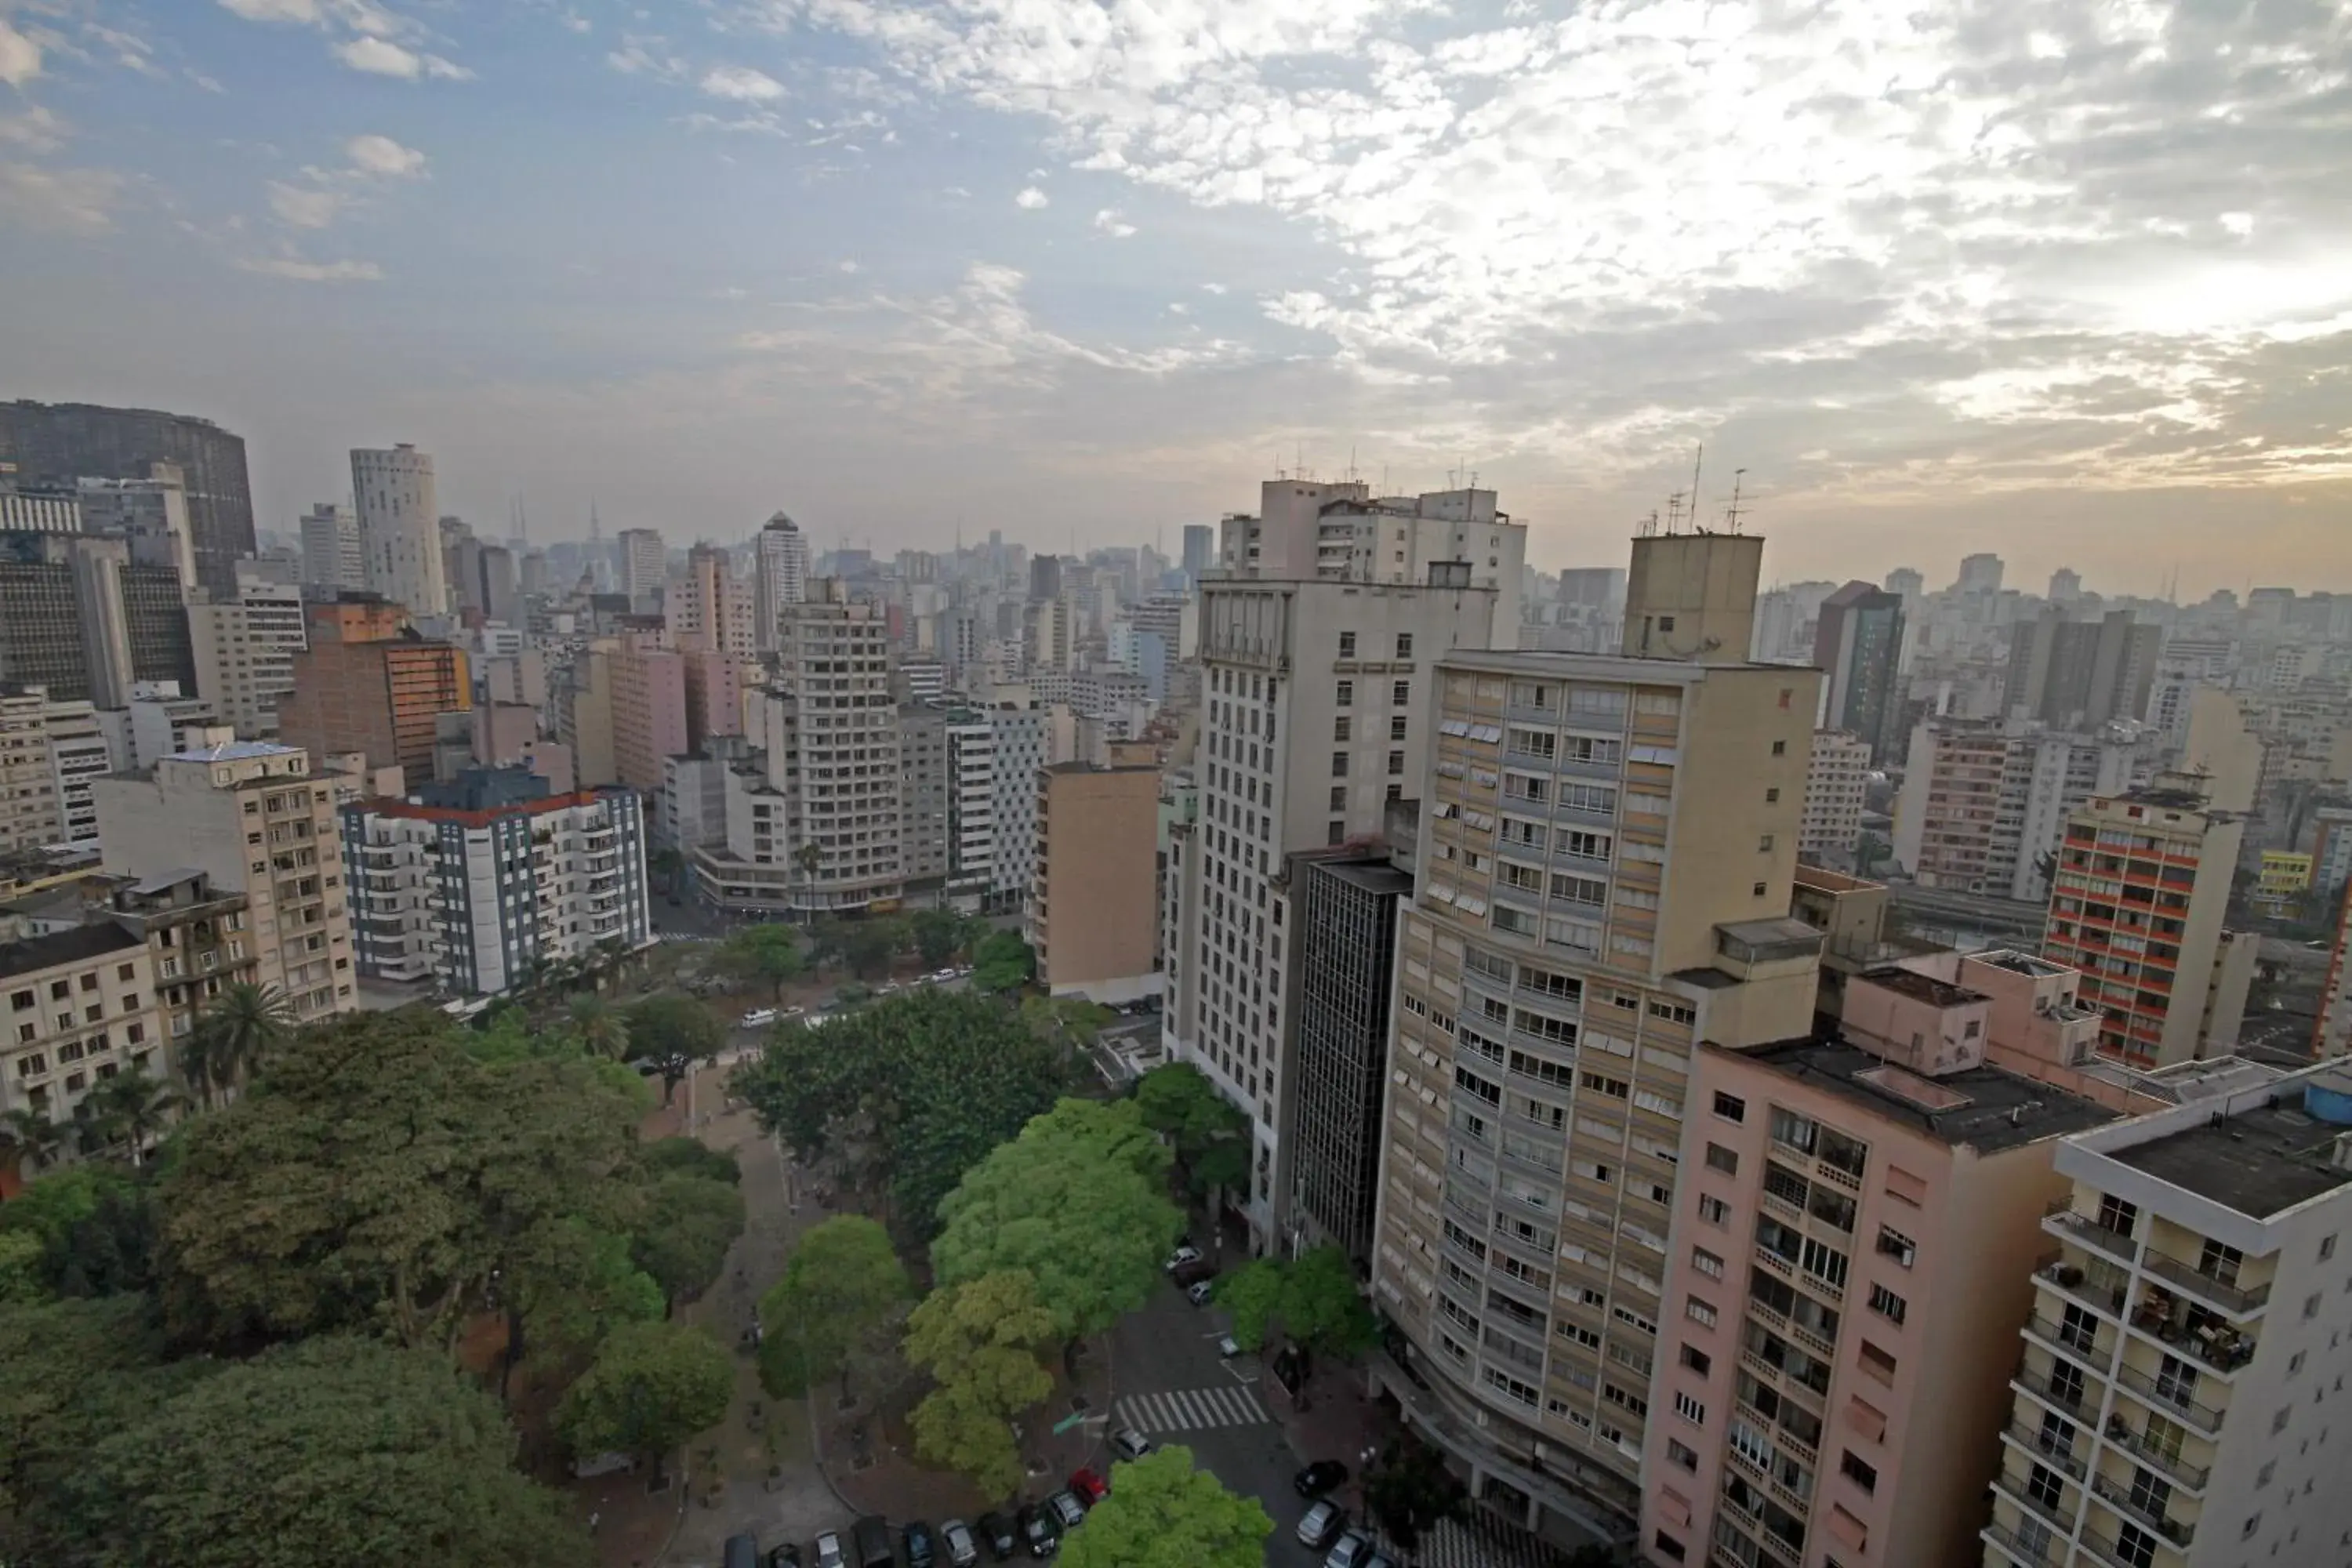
[1858,646]
[334,559]
[780,574]
[366,683]
[399,518]
[59,444]
[1094,915]
[1837,780]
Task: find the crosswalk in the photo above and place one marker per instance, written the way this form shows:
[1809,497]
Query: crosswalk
[1191,1410]
[1483,1541]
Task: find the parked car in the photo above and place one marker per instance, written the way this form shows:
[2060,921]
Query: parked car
[785,1556]
[759,1017]
[1130,1444]
[942,974]
[1323,1522]
[1378,1560]
[1228,1346]
[1322,1475]
[919,1550]
[828,1552]
[1191,1274]
[1181,1257]
[794,1012]
[1089,1486]
[1200,1293]
[1068,1509]
[998,1532]
[963,1550]
[873,1536]
[740,1552]
[1350,1550]
[1039,1530]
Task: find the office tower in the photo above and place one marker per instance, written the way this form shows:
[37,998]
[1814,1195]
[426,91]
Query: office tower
[254,818]
[2137,903]
[1693,596]
[643,563]
[2172,1405]
[461,567]
[400,533]
[972,807]
[583,716]
[500,594]
[923,796]
[1316,715]
[1854,1228]
[244,650]
[649,711]
[1346,907]
[77,618]
[532,572]
[1094,916]
[150,515]
[434,890]
[1605,863]
[780,576]
[1836,780]
[1019,743]
[711,609]
[58,444]
[1907,582]
[333,560]
[49,750]
[1858,647]
[2077,673]
[367,683]
[1200,550]
[2065,585]
[1978,575]
[1045,578]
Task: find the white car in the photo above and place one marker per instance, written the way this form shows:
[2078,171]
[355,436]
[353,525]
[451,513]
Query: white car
[1129,1443]
[1350,1552]
[828,1551]
[794,1012]
[943,974]
[1229,1347]
[759,1017]
[1322,1522]
[1181,1257]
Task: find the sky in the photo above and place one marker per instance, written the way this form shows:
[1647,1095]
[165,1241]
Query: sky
[2067,282]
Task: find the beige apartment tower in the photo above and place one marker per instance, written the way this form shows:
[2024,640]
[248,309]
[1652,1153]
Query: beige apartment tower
[1094,915]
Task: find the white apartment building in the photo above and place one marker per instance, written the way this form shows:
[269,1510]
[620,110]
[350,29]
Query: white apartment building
[1306,528]
[1317,714]
[1983,808]
[1021,743]
[644,561]
[333,560]
[244,651]
[254,818]
[780,572]
[48,753]
[1836,781]
[2182,1371]
[400,527]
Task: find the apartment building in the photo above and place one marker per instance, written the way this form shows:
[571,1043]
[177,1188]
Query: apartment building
[972,807]
[1316,715]
[1606,858]
[481,882]
[1093,917]
[1850,1240]
[923,797]
[1837,779]
[1982,806]
[712,608]
[649,711]
[244,649]
[2138,904]
[253,817]
[368,683]
[30,816]
[1020,741]
[2174,1400]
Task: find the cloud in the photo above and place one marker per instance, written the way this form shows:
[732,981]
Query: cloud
[303,11]
[383,158]
[1110,223]
[304,206]
[295,270]
[1031,198]
[60,201]
[741,84]
[20,57]
[35,130]
[382,57]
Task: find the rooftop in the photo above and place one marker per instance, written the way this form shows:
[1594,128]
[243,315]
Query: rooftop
[1922,987]
[1984,1108]
[1631,668]
[76,946]
[2259,1161]
[233,751]
[1373,876]
[2018,963]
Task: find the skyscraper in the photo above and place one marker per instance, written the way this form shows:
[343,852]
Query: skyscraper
[1199,549]
[2071,673]
[780,566]
[332,558]
[400,528]
[1858,647]
[644,560]
[57,444]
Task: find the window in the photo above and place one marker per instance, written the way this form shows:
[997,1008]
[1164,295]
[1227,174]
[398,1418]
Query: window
[1714,1211]
[1338,765]
[1707,1263]
[1772,797]
[1396,763]
[1690,1410]
[1764,845]
[1685,1458]
[1699,1361]
[1877,1363]
[1779,748]
[1343,728]
[1887,1304]
[1719,1158]
[1397,723]
[1860,1474]
[1346,696]
[1339,798]
[1894,1244]
[1730,1107]
[1401,694]
[1700,1312]
[1346,645]
[1404,645]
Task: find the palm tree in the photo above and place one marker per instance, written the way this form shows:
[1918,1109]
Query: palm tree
[602,1030]
[128,1107]
[30,1138]
[235,1033]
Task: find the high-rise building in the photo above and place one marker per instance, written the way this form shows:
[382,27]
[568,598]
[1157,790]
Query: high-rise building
[59,444]
[643,563]
[2332,1036]
[1837,779]
[434,893]
[923,796]
[1858,647]
[649,711]
[1605,865]
[1316,714]
[780,572]
[1978,575]
[1019,743]
[150,515]
[2141,891]
[1906,583]
[2172,1403]
[1093,917]
[1200,550]
[1982,806]
[244,650]
[37,510]
[501,592]
[32,814]
[711,609]
[583,716]
[80,618]
[334,559]
[2065,585]
[368,683]
[1045,578]
[972,807]
[2081,673]
[254,818]
[399,521]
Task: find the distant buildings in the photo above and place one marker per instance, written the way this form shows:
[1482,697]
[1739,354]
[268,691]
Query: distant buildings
[1982,805]
[334,560]
[1837,779]
[59,444]
[780,573]
[1858,646]
[368,683]
[399,524]
[2075,674]
[81,618]
[643,563]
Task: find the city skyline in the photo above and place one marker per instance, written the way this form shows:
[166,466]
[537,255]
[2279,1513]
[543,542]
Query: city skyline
[898,271]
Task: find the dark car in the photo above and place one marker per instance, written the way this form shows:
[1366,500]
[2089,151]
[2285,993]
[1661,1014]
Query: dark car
[1318,1477]
[785,1556]
[1040,1530]
[997,1532]
[1190,1274]
[919,1550]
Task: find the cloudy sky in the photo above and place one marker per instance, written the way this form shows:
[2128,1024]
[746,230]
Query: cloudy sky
[2066,281]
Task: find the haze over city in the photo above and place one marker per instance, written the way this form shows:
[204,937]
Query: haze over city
[2056,285]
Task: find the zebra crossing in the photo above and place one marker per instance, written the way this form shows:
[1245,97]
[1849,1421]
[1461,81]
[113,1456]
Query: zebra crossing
[1483,1541]
[1191,1410]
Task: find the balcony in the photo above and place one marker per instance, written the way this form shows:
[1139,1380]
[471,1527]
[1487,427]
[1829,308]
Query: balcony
[2010,1541]
[2230,1299]
[2068,1341]
[2180,1471]
[2046,1450]
[2081,1285]
[2117,1495]
[2169,1398]
[2194,1332]
[2081,1229]
[2105,1549]
[2055,1396]
[2014,1489]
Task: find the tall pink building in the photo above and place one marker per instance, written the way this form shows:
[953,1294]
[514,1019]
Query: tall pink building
[648,712]
[1851,1257]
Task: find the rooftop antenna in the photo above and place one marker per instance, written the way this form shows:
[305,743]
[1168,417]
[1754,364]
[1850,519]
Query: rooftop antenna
[1731,513]
[595,525]
[1698,457]
[1648,527]
[1673,512]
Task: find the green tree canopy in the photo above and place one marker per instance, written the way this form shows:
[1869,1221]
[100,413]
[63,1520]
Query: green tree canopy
[979,1342]
[1312,1300]
[58,1360]
[1070,1203]
[689,1223]
[602,1030]
[574,1284]
[1164,1513]
[1000,960]
[923,1085]
[842,1288]
[1210,1133]
[763,954]
[336,1450]
[653,1386]
[673,1031]
[957,1428]
[93,1228]
[234,1037]
[693,1157]
[1410,1492]
[939,934]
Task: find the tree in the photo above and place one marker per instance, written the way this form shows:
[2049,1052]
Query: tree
[29,1138]
[954,1428]
[868,946]
[602,1031]
[1313,1299]
[692,1157]
[337,1450]
[235,1037]
[1164,1514]
[1252,1294]
[1000,960]
[765,955]
[1410,1492]
[940,935]
[1068,1023]
[689,1223]
[653,1386]
[673,1031]
[572,1287]
[1210,1133]
[127,1111]
[93,1226]
[62,1364]
[1075,1202]
[840,1289]
[979,1342]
